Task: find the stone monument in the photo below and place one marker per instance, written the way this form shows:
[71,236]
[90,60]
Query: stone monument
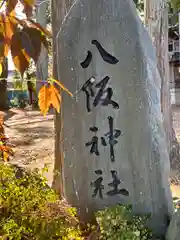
[113,137]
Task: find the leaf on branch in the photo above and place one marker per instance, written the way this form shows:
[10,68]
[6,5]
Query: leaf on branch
[20,57]
[1,69]
[4,63]
[22,22]
[32,40]
[44,99]
[49,95]
[38,26]
[1,47]
[55,97]
[26,44]
[7,28]
[10,5]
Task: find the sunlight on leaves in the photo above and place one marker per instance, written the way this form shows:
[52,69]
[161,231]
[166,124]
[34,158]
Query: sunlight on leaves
[1,69]
[44,99]
[49,96]
[25,43]
[55,97]
[8,27]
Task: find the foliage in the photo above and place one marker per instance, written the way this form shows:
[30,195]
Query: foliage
[176,203]
[49,95]
[20,101]
[24,38]
[140,8]
[139,4]
[175,4]
[5,149]
[119,223]
[19,91]
[29,209]
[18,83]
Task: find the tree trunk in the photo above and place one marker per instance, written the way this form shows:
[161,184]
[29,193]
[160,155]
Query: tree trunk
[156,20]
[59,10]
[3,86]
[42,64]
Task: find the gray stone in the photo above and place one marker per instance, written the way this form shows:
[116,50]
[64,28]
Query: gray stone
[173,232]
[140,153]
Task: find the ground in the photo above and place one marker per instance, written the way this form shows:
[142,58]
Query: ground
[33,137]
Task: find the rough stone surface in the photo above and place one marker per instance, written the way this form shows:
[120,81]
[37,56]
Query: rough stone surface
[173,232]
[141,159]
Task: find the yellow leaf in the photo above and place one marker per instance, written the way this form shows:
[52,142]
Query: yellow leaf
[5,156]
[55,97]
[7,27]
[49,95]
[10,5]
[1,69]
[13,15]
[30,2]
[44,99]
[63,87]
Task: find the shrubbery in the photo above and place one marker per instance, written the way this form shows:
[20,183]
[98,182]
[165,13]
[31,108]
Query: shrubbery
[29,209]
[118,223]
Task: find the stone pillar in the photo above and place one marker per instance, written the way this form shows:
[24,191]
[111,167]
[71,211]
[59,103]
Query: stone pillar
[111,137]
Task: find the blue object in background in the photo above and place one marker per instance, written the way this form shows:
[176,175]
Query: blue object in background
[19,94]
